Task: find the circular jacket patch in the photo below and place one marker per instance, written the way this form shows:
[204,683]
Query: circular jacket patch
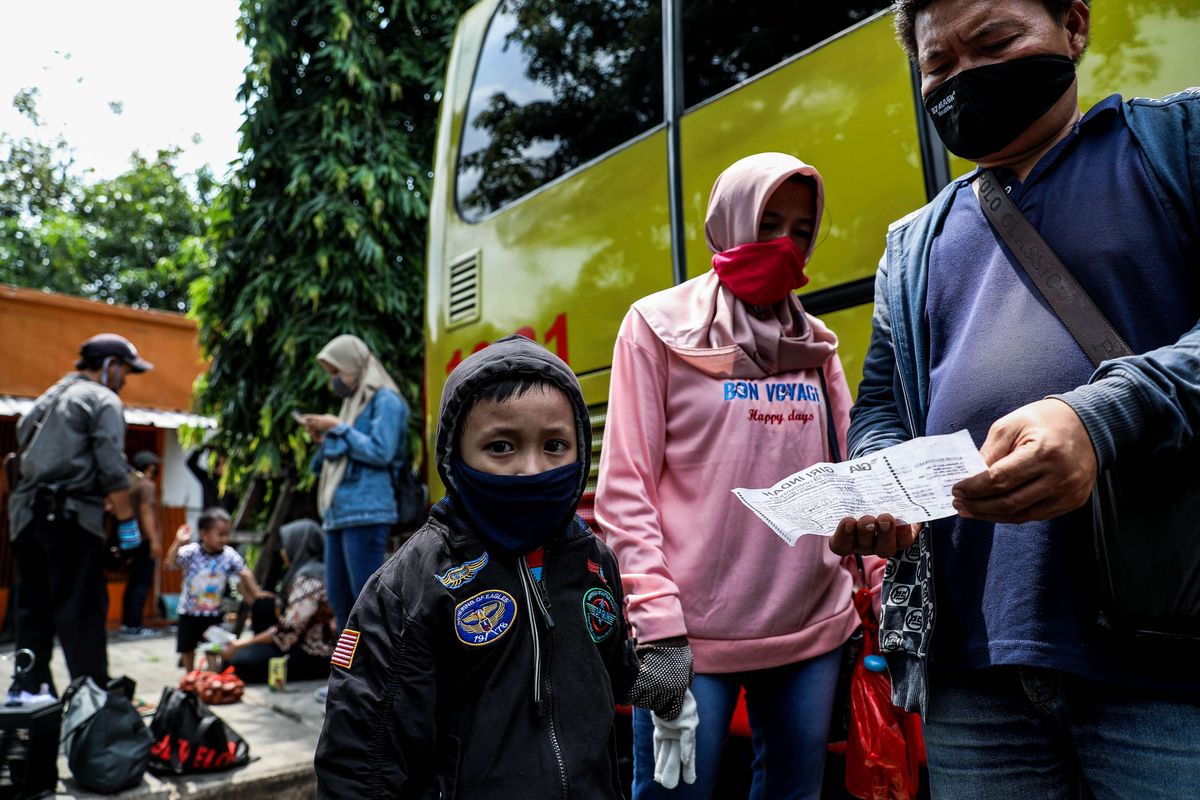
[599,613]
[484,618]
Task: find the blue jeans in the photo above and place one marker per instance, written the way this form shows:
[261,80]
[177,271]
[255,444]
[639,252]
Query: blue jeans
[1038,733]
[351,557]
[789,709]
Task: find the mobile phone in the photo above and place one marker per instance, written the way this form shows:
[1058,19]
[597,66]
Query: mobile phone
[296,415]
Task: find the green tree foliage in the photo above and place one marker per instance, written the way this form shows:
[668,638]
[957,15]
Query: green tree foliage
[138,239]
[323,225]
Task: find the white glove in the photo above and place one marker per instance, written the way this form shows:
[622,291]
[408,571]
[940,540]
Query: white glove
[675,745]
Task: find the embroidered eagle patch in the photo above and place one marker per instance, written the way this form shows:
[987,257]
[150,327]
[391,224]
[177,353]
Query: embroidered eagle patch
[484,618]
[464,573]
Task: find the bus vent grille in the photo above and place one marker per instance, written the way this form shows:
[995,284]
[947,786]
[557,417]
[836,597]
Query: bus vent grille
[598,414]
[463,290]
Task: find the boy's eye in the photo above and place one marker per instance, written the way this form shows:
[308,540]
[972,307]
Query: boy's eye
[498,447]
[557,446]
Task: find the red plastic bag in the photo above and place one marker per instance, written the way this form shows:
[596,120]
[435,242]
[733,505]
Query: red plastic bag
[212,688]
[884,748]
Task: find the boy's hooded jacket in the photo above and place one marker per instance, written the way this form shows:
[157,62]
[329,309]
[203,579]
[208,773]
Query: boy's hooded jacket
[459,676]
[706,397]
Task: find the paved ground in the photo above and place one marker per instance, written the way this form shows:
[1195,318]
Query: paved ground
[281,728]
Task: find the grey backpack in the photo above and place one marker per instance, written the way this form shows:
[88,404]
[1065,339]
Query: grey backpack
[106,741]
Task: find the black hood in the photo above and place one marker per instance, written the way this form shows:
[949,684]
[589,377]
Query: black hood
[512,356]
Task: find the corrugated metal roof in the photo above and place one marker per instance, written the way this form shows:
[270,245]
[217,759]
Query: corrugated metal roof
[172,420]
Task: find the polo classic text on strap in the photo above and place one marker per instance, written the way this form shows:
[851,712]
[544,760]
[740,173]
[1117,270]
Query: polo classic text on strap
[1074,306]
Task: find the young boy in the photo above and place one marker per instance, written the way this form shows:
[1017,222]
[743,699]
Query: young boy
[207,566]
[484,659]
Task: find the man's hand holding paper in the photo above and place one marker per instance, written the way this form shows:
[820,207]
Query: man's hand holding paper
[913,481]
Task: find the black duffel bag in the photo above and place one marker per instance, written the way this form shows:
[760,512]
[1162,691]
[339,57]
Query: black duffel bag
[188,737]
[106,742]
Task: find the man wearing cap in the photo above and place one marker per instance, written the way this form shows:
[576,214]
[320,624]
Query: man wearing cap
[141,560]
[72,459]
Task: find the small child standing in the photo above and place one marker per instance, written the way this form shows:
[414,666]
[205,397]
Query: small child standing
[485,658]
[207,566]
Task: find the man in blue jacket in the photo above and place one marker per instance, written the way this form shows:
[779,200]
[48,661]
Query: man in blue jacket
[1022,692]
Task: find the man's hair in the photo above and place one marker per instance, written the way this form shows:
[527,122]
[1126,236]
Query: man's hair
[92,363]
[211,516]
[906,19]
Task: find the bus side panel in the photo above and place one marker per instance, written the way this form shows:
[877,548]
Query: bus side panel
[846,108]
[561,265]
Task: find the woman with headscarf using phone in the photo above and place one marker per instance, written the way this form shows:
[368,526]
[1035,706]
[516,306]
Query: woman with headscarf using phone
[362,450]
[720,382]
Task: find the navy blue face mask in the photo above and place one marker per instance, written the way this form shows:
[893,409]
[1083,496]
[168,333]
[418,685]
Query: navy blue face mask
[518,513]
[341,388]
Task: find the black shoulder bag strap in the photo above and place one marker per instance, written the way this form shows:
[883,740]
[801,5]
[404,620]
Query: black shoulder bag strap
[1073,306]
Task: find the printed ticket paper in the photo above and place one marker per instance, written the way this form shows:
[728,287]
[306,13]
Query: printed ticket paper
[911,481]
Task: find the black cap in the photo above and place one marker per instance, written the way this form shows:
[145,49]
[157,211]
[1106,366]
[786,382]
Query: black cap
[106,345]
[142,459]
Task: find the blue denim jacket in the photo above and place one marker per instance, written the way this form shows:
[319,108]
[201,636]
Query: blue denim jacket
[377,447]
[1154,396]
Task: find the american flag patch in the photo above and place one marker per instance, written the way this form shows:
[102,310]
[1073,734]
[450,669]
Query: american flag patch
[343,651]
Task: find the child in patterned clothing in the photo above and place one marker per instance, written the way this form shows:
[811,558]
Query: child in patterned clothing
[207,566]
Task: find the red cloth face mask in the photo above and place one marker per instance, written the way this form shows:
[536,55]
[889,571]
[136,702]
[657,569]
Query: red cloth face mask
[762,273]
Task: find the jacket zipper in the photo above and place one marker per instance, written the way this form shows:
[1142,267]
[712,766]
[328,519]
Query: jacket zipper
[533,596]
[537,642]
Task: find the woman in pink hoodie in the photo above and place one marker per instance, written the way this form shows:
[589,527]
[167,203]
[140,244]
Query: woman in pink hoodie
[725,381]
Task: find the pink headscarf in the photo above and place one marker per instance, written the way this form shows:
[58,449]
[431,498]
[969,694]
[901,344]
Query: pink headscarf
[740,195]
[704,324]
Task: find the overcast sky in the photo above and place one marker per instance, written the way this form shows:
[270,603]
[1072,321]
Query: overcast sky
[174,66]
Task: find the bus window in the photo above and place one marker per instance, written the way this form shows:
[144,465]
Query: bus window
[725,43]
[552,92]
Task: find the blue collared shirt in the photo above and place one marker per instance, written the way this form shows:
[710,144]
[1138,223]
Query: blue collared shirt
[1023,594]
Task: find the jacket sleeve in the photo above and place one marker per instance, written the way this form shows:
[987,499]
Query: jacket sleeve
[379,445]
[1150,398]
[622,664]
[627,502]
[876,420]
[379,733]
[108,446]
[1154,397]
[193,465]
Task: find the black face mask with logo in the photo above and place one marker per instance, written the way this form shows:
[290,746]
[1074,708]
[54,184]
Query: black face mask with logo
[980,111]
